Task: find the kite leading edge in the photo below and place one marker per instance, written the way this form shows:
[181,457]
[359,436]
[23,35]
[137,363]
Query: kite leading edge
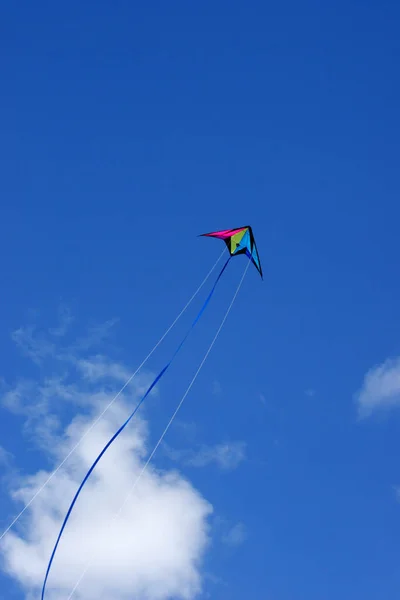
[239,241]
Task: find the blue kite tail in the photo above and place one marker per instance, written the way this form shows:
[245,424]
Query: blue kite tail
[153,384]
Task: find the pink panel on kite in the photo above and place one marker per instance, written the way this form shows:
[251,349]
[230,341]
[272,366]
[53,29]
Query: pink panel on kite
[226,233]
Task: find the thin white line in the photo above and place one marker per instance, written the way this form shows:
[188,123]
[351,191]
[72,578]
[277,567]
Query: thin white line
[117,514]
[112,401]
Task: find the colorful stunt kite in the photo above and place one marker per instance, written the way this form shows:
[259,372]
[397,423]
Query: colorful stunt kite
[239,241]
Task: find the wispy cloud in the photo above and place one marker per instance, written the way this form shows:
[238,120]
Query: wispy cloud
[95,336]
[6,458]
[100,367]
[40,345]
[227,456]
[33,344]
[163,530]
[380,388]
[236,535]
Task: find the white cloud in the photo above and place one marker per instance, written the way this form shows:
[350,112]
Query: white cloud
[100,367]
[41,345]
[380,388]
[155,548]
[236,535]
[95,335]
[33,345]
[226,456]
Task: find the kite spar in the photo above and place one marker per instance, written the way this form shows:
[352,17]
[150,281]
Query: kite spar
[238,241]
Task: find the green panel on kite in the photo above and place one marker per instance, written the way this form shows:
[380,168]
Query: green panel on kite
[236,240]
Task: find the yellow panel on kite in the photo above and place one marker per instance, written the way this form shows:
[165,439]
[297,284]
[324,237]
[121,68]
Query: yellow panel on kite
[236,239]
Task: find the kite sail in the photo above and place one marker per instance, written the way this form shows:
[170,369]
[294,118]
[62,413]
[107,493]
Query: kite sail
[239,241]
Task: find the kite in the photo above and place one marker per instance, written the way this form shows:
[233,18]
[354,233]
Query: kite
[239,241]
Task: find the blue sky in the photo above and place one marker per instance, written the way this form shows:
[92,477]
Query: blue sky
[127,130]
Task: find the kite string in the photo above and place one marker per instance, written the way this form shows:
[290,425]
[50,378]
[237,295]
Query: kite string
[119,431]
[130,492]
[91,427]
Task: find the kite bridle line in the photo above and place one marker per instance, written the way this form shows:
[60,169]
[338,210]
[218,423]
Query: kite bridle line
[119,431]
[130,492]
[128,381]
